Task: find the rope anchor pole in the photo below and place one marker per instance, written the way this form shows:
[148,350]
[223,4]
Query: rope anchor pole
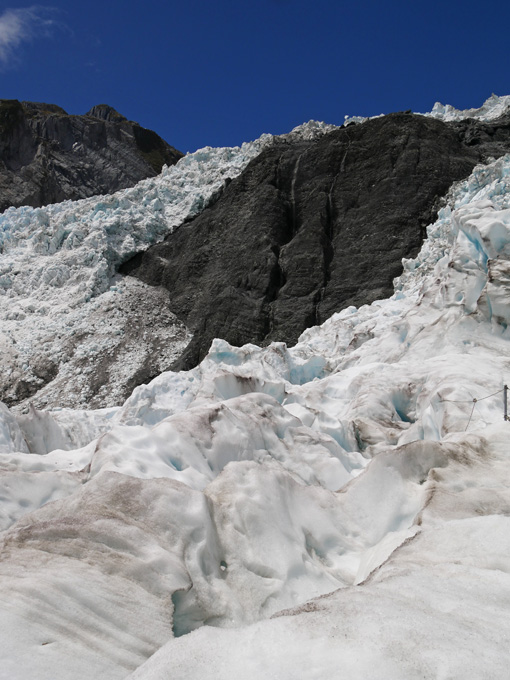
[505,402]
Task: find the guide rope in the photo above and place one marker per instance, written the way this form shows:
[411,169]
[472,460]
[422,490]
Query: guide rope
[471,414]
[474,401]
[470,401]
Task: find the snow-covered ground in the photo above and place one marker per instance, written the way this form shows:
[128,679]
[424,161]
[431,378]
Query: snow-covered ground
[335,510]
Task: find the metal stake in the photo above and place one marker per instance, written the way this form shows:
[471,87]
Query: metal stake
[505,402]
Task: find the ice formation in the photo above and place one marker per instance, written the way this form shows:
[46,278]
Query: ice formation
[493,107]
[320,511]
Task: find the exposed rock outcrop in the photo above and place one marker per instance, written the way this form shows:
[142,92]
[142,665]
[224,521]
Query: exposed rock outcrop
[312,227]
[47,156]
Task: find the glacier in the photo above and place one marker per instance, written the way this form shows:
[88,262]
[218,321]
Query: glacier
[336,509]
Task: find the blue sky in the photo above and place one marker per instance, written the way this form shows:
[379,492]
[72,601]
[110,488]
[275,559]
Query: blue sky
[220,73]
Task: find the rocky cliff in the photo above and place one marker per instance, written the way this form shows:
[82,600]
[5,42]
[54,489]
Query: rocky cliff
[312,227]
[47,156]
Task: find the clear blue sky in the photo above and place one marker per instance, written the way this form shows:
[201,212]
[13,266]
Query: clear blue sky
[220,73]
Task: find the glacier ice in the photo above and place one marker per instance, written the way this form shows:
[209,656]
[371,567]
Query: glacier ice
[345,500]
[492,108]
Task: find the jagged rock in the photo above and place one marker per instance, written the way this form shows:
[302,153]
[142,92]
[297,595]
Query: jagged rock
[105,112]
[312,227]
[47,156]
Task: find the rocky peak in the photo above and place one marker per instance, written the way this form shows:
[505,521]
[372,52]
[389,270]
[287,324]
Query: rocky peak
[106,112]
[48,156]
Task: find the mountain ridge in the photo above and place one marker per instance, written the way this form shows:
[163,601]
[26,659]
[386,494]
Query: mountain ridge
[48,156]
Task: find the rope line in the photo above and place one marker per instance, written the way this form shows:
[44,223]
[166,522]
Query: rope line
[471,414]
[475,401]
[490,395]
[470,401]
[459,401]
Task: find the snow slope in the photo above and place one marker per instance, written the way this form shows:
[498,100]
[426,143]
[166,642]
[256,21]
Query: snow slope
[338,509]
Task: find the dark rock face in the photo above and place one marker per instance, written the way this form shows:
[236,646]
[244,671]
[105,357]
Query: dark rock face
[312,227]
[47,156]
